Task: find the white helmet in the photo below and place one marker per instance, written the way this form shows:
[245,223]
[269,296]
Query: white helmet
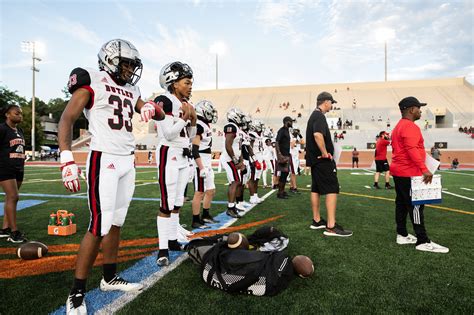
[174,71]
[257,125]
[246,121]
[236,116]
[206,110]
[114,54]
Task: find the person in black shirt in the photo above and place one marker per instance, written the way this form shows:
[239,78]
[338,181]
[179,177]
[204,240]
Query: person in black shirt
[319,155]
[12,161]
[282,147]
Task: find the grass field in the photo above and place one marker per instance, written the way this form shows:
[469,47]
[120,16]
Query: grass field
[366,273]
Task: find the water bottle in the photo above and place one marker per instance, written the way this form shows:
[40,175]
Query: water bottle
[72,218]
[52,218]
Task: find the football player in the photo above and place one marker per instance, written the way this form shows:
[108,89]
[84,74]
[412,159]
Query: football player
[247,154]
[204,186]
[231,157]
[295,148]
[269,160]
[256,167]
[108,98]
[173,152]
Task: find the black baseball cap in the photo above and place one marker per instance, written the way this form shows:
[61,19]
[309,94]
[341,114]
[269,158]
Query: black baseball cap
[325,96]
[410,101]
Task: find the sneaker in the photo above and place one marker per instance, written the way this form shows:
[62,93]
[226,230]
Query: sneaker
[318,225]
[76,304]
[409,239]
[231,212]
[282,196]
[118,283]
[376,186]
[337,230]
[17,237]
[163,258]
[275,187]
[255,200]
[432,247]
[209,219]
[294,191]
[174,245]
[199,225]
[388,186]
[240,207]
[5,232]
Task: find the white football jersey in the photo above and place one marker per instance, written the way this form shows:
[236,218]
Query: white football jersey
[172,129]
[237,144]
[269,153]
[109,111]
[257,145]
[204,130]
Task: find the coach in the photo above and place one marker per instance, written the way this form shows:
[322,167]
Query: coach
[319,152]
[282,149]
[408,159]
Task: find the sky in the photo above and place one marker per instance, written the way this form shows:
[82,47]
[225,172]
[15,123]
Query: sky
[262,43]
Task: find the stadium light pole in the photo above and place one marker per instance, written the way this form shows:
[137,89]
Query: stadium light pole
[27,46]
[384,35]
[218,48]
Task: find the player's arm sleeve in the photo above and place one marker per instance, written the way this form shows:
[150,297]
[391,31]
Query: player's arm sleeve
[229,128]
[411,139]
[171,129]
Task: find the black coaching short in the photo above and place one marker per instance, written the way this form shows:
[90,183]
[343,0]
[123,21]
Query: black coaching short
[381,166]
[324,177]
[11,173]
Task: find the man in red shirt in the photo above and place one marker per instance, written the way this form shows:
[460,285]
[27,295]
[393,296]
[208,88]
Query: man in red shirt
[381,162]
[408,159]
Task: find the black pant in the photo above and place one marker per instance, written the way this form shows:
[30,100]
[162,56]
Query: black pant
[403,207]
[283,176]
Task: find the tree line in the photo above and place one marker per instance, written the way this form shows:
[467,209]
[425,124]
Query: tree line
[54,106]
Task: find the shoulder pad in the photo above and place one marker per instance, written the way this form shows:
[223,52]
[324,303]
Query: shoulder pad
[166,103]
[79,77]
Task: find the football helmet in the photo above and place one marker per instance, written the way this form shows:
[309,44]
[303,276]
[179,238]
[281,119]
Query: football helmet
[267,133]
[206,110]
[236,116]
[173,72]
[246,121]
[257,125]
[114,55]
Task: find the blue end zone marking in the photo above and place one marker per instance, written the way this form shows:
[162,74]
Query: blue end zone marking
[85,197]
[22,204]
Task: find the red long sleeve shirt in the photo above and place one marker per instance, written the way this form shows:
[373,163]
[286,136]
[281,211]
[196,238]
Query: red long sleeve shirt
[408,150]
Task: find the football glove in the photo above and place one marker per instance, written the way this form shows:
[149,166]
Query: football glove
[258,166]
[150,110]
[70,172]
[204,173]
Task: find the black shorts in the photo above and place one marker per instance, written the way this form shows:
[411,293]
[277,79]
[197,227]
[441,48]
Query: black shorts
[6,174]
[381,166]
[324,177]
[355,159]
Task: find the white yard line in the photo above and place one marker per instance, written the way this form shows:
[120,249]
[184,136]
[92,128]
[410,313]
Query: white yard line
[457,173]
[468,189]
[460,196]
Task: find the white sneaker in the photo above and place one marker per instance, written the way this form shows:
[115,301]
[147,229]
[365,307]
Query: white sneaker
[163,261]
[239,206]
[432,247]
[118,283]
[80,309]
[409,239]
[255,200]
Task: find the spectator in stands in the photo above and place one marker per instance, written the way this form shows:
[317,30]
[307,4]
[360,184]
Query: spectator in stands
[461,129]
[388,123]
[335,136]
[339,123]
[373,118]
[455,163]
[435,153]
[354,103]
[299,115]
[408,160]
[302,106]
[355,158]
[426,124]
[381,162]
[380,118]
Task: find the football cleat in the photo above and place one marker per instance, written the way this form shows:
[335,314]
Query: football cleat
[118,283]
[76,304]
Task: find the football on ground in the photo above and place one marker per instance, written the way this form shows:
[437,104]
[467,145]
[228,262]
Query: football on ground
[237,241]
[303,266]
[32,250]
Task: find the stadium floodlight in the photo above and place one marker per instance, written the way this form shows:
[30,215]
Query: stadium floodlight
[218,48]
[385,34]
[28,46]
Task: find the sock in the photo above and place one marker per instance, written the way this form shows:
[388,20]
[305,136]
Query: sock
[196,218]
[231,205]
[110,270]
[239,198]
[376,184]
[173,229]
[79,285]
[162,224]
[387,184]
[205,212]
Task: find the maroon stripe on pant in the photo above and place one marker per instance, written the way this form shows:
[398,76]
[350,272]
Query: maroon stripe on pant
[273,165]
[200,181]
[235,173]
[162,181]
[93,193]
